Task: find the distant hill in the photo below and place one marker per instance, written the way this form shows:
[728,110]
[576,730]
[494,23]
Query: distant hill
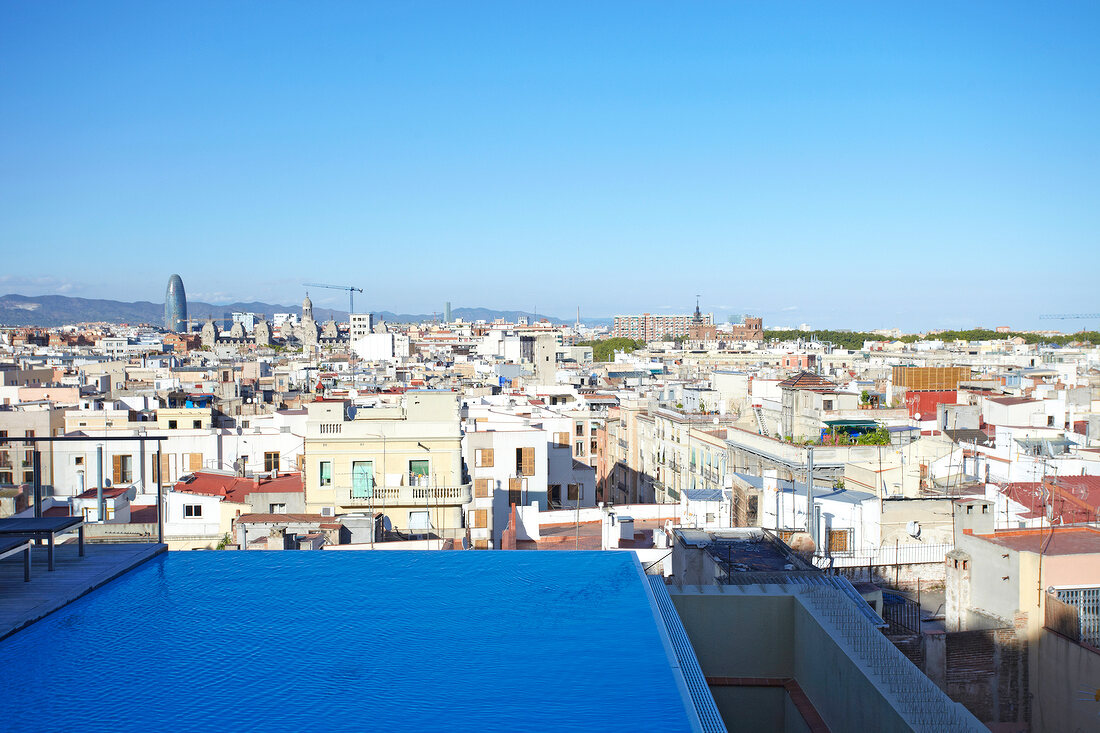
[59,310]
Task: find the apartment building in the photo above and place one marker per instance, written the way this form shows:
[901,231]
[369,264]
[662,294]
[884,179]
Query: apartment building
[402,459]
[652,326]
[32,420]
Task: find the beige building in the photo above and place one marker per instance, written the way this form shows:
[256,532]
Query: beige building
[185,418]
[30,421]
[401,460]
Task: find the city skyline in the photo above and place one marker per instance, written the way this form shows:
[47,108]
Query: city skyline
[940,159]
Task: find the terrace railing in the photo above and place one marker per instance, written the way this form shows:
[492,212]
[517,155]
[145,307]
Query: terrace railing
[1075,613]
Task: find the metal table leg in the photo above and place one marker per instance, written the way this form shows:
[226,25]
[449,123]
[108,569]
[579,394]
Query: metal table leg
[50,552]
[80,535]
[27,565]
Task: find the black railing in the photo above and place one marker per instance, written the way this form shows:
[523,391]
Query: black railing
[901,613]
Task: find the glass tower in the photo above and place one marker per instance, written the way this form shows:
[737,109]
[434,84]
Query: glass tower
[175,305]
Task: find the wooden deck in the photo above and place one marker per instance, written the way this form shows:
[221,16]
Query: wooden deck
[21,603]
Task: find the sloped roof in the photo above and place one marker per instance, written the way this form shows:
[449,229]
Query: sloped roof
[237,489]
[1073,498]
[810,382]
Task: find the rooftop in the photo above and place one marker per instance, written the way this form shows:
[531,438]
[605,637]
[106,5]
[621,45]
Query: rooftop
[236,488]
[810,382]
[1059,541]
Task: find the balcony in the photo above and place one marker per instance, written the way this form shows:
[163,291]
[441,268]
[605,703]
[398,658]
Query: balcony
[407,496]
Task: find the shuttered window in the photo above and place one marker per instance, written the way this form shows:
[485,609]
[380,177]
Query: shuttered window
[481,488]
[362,479]
[122,469]
[515,491]
[483,458]
[573,492]
[194,461]
[480,518]
[840,540]
[525,461]
[562,439]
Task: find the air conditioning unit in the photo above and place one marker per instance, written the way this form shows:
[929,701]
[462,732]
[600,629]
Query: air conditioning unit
[327,511]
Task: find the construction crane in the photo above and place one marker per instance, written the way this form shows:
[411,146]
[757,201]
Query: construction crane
[1063,316]
[1070,316]
[352,290]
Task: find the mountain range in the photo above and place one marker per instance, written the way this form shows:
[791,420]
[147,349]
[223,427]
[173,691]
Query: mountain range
[59,310]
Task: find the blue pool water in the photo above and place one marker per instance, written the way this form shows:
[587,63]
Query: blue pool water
[349,641]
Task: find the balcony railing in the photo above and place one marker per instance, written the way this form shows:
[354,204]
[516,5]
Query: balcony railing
[406,496]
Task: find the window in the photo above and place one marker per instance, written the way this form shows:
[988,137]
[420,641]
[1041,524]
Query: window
[276,508]
[710,517]
[196,424]
[578,449]
[28,433]
[28,458]
[362,479]
[483,458]
[480,518]
[195,461]
[123,469]
[525,461]
[418,472]
[839,540]
[271,461]
[192,510]
[985,509]
[580,428]
[515,491]
[28,477]
[573,492]
[826,404]
[78,461]
[562,439]
[172,424]
[481,488]
[5,477]
[326,473]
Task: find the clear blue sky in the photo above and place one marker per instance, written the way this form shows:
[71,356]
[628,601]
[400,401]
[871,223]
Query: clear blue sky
[852,165]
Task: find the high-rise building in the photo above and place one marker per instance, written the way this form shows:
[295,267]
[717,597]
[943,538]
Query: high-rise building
[175,305]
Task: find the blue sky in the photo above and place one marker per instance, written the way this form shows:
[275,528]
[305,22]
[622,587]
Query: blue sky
[853,165]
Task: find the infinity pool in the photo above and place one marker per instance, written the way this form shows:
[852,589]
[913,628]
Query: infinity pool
[350,641]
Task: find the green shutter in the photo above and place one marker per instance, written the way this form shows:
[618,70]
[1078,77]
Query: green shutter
[362,479]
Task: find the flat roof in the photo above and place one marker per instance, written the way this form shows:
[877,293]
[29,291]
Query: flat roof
[1060,541]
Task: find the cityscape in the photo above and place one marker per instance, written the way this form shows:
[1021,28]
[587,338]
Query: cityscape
[552,368]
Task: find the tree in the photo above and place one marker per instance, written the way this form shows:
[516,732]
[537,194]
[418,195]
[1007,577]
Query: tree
[605,349]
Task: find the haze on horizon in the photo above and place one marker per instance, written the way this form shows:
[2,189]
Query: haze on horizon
[854,165]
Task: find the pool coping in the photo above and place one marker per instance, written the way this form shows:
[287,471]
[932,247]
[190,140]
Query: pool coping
[25,603]
[680,668]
